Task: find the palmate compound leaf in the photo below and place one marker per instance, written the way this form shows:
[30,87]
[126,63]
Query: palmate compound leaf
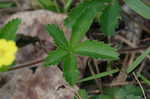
[77,12]
[139,7]
[58,35]
[96,49]
[109,18]
[81,18]
[8,31]
[71,72]
[55,57]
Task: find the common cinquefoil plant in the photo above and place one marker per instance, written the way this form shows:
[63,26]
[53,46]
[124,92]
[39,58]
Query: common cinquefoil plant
[67,51]
[79,21]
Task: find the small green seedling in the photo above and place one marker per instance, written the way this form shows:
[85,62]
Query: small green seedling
[67,51]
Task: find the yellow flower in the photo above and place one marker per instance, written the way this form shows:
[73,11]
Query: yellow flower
[8,51]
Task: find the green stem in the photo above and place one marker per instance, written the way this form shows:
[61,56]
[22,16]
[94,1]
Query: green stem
[56,6]
[67,6]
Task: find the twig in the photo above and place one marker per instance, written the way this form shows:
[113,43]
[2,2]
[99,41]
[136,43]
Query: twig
[144,40]
[119,84]
[136,78]
[93,73]
[122,75]
[125,41]
[96,91]
[10,10]
[98,71]
[5,0]
[78,96]
[132,50]
[30,64]
[129,43]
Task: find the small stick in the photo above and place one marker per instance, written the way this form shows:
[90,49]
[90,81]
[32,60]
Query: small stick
[26,64]
[132,50]
[93,73]
[129,43]
[136,78]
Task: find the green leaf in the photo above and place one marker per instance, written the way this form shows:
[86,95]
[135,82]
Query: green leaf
[98,75]
[145,80]
[111,91]
[54,57]
[8,31]
[102,96]
[71,72]
[125,92]
[109,18]
[96,49]
[81,18]
[4,68]
[138,61]
[139,7]
[6,4]
[83,94]
[133,97]
[67,5]
[128,91]
[58,35]
[77,12]
[132,90]
[47,4]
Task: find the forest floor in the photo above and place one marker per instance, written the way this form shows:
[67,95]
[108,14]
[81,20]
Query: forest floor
[36,82]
